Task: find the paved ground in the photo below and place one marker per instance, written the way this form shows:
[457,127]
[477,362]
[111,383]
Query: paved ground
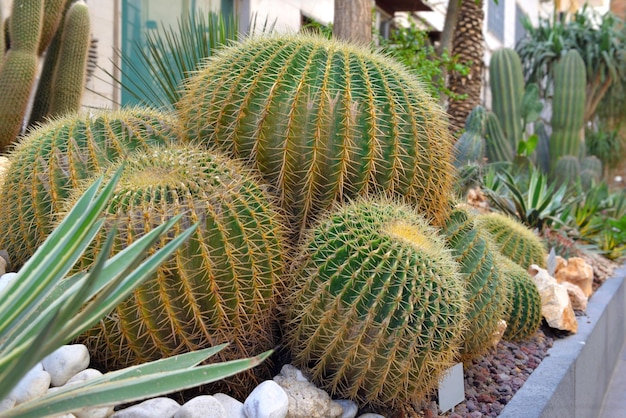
[615,400]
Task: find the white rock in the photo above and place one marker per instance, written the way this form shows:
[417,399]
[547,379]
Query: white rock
[5,279]
[99,412]
[292,372]
[350,408]
[86,374]
[267,400]
[233,408]
[34,384]
[306,400]
[65,362]
[576,296]
[152,408]
[556,306]
[370,415]
[7,403]
[203,406]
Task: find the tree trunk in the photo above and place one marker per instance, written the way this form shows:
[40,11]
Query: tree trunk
[452,15]
[353,21]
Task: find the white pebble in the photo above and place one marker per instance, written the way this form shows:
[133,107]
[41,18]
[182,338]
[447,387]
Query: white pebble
[98,412]
[5,279]
[34,384]
[84,375]
[7,403]
[233,408]
[350,408]
[292,372]
[268,400]
[203,406]
[152,408]
[65,362]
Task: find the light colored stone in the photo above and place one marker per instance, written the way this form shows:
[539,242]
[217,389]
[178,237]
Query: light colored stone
[267,400]
[34,384]
[204,406]
[233,408]
[65,362]
[83,375]
[3,267]
[560,263]
[498,333]
[292,372]
[7,403]
[5,279]
[556,306]
[370,415]
[577,272]
[350,408]
[306,400]
[98,412]
[576,296]
[155,407]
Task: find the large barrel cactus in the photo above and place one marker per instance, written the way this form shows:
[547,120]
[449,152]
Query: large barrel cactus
[54,158]
[219,286]
[523,313]
[486,289]
[322,120]
[513,239]
[377,310]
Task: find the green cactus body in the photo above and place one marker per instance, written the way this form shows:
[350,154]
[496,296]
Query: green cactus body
[470,147]
[567,171]
[70,71]
[541,156]
[486,290]
[507,92]
[497,148]
[568,107]
[54,158]
[513,239]
[25,25]
[523,317]
[52,17]
[592,164]
[378,308]
[321,120]
[219,286]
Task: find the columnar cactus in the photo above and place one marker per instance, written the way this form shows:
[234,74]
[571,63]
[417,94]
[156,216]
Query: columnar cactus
[219,286]
[523,314]
[513,239]
[470,147]
[377,310]
[497,147]
[53,159]
[568,107]
[486,289]
[322,120]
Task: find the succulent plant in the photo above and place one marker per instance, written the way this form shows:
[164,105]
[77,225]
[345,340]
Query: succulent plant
[322,120]
[377,310]
[486,289]
[54,158]
[497,148]
[567,171]
[220,286]
[470,147]
[523,317]
[513,239]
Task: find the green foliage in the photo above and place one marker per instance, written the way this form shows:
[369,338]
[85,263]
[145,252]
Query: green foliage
[322,120]
[605,143]
[486,290]
[377,308]
[42,309]
[411,47]
[56,157]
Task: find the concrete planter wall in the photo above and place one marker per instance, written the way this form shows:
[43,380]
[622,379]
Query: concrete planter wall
[573,379]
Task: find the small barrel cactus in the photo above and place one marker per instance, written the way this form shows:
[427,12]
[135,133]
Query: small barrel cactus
[220,286]
[567,171]
[497,147]
[322,120]
[485,288]
[377,311]
[470,147]
[523,314]
[513,239]
[54,158]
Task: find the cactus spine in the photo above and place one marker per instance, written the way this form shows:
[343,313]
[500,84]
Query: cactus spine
[513,239]
[568,107]
[220,286]
[378,306]
[486,290]
[322,120]
[470,147]
[507,89]
[54,158]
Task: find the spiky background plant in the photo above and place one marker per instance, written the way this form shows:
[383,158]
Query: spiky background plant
[220,286]
[322,120]
[54,158]
[486,289]
[523,316]
[377,309]
[513,239]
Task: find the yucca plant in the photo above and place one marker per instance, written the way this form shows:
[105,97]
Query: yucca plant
[41,309]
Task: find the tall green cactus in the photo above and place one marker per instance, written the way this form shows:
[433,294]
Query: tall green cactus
[220,286]
[507,92]
[323,120]
[470,147]
[568,107]
[497,147]
[56,157]
[377,310]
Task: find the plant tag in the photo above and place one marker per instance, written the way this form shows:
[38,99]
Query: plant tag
[451,388]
